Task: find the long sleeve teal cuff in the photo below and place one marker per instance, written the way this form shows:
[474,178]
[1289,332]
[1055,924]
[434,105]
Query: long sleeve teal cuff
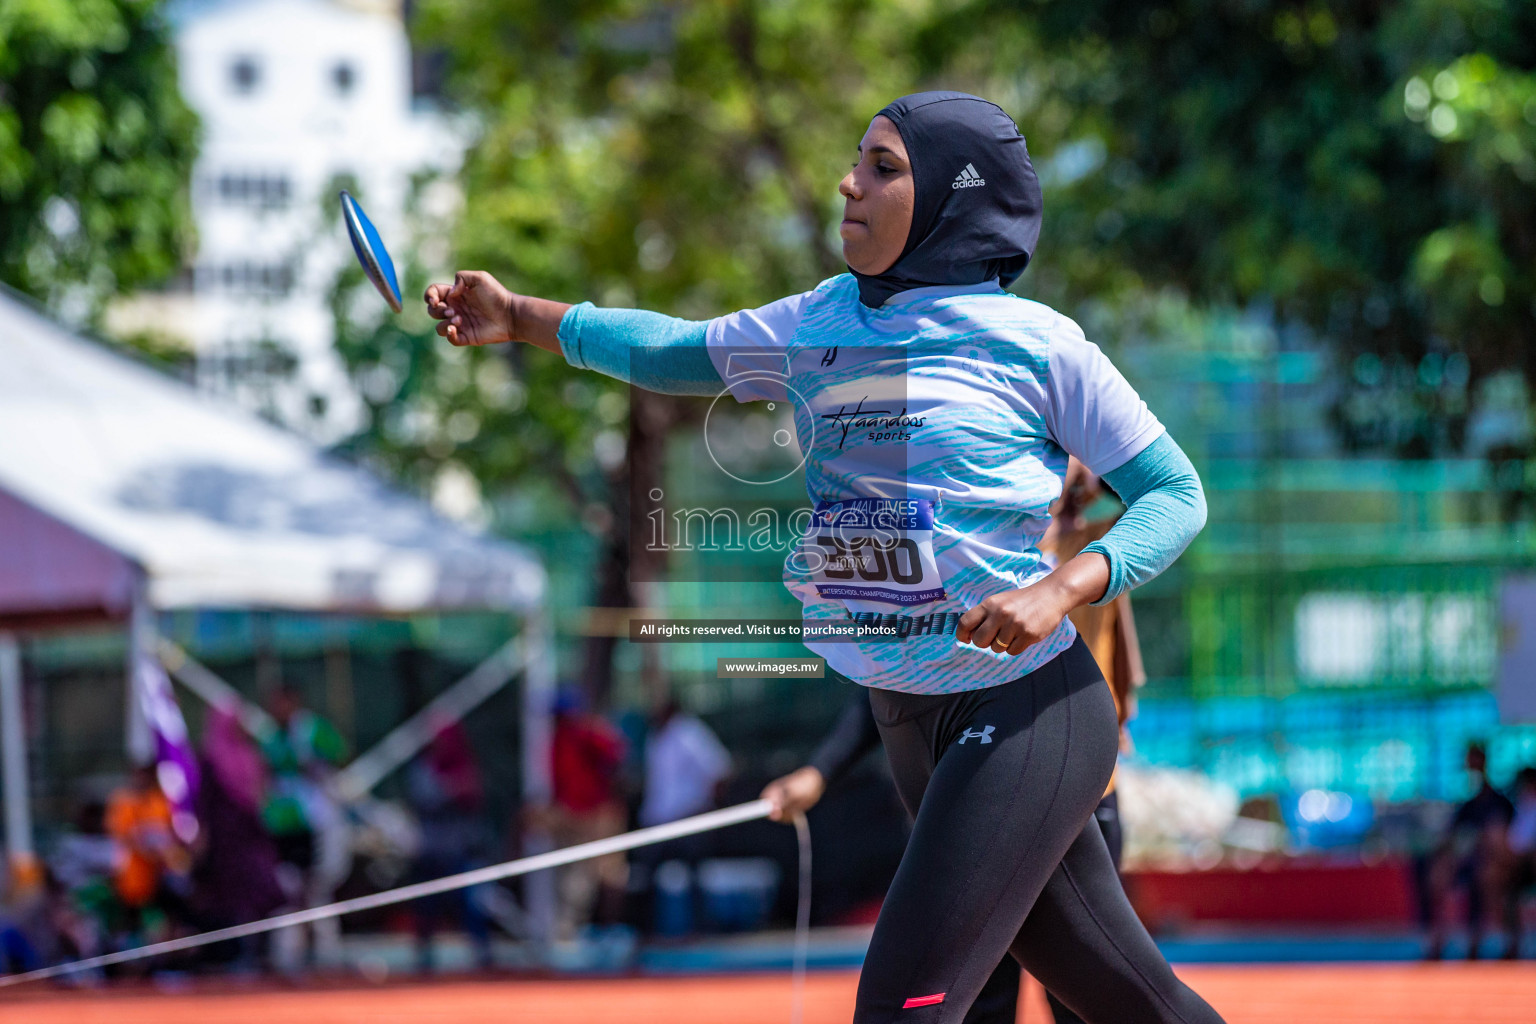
[1165,509]
[649,350]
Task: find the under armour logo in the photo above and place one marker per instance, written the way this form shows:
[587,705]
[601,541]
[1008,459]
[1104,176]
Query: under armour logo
[829,356]
[985,735]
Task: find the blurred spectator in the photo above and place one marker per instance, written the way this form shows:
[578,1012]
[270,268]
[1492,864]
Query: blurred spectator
[1521,872]
[1522,827]
[1471,856]
[234,879]
[68,928]
[302,751]
[684,766]
[149,863]
[83,857]
[81,870]
[586,754]
[445,790]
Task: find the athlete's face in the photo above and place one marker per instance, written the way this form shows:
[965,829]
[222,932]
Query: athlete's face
[878,195]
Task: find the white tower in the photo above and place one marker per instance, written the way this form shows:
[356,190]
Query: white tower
[297,98]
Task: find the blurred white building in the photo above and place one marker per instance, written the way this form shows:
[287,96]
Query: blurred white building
[298,98]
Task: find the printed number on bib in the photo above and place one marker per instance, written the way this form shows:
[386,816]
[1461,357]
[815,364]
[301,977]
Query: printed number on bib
[874,549]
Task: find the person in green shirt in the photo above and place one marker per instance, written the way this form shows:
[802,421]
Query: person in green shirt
[303,750]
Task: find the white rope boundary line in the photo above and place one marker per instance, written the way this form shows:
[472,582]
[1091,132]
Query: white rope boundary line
[722,818]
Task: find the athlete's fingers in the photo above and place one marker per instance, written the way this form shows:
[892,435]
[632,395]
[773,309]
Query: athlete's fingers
[436,299]
[986,631]
[1013,635]
[969,620]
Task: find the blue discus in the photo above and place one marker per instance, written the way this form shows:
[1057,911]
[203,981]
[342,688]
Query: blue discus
[370,251]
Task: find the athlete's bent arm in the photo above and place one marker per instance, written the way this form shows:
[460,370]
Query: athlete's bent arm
[1165,509]
[650,350]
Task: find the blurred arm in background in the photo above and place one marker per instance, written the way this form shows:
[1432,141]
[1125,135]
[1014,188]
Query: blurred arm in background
[853,735]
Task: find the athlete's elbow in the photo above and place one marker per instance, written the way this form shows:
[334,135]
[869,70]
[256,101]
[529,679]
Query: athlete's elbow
[1197,510]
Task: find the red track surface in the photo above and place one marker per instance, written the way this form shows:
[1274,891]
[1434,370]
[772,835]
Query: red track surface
[1334,994]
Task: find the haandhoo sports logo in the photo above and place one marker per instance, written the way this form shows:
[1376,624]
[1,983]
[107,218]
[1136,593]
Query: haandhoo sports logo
[881,424]
[968,178]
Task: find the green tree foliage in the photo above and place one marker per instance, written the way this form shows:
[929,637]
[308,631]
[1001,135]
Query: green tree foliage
[1368,169]
[96,149]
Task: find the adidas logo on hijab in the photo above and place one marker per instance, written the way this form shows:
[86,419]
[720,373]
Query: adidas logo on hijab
[968,178]
[988,235]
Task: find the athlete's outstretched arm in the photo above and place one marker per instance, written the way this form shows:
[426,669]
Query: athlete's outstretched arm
[650,350]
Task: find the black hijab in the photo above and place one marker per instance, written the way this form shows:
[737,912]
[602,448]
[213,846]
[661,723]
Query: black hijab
[976,214]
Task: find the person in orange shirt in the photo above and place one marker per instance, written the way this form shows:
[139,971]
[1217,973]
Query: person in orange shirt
[147,851]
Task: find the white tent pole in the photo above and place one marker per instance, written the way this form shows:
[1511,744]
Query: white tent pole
[213,691]
[13,733]
[407,739]
[538,701]
[138,739]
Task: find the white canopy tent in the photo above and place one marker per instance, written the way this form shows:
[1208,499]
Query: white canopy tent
[219,508]
[124,491]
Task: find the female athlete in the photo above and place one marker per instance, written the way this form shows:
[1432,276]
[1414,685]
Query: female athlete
[936,412]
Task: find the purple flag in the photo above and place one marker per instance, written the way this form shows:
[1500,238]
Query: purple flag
[175,760]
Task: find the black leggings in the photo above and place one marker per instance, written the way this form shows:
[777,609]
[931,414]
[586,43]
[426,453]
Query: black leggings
[1001,782]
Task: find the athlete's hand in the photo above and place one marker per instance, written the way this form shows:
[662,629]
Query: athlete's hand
[794,793]
[474,310]
[1013,620]
[1016,619]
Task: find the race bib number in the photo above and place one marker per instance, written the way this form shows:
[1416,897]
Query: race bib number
[873,549]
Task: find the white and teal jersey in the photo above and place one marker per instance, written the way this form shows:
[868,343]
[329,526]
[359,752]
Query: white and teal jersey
[935,431]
